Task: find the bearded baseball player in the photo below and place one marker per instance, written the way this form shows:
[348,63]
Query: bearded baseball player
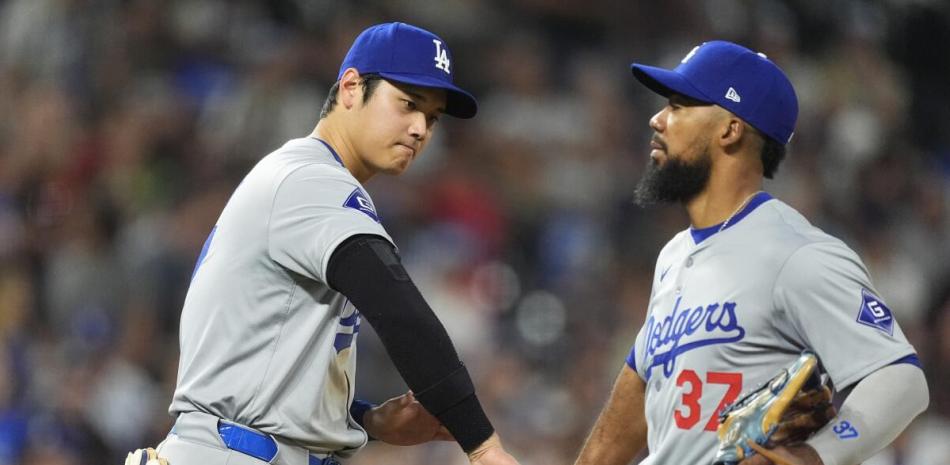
[298,257]
[747,287]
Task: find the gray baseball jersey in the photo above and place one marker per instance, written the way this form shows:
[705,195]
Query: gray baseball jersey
[732,305]
[264,341]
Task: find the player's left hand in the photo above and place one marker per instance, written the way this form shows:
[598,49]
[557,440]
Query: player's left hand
[801,454]
[403,421]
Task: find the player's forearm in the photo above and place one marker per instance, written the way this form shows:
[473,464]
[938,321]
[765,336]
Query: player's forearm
[879,408]
[620,432]
[367,270]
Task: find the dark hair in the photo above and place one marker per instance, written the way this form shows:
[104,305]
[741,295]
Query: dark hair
[370,81]
[772,154]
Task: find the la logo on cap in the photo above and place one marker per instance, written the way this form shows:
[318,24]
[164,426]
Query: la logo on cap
[441,57]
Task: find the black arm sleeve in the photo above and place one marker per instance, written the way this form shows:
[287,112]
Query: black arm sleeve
[367,270]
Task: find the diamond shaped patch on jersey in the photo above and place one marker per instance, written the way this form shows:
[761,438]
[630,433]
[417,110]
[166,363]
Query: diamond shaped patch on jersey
[358,200]
[875,314]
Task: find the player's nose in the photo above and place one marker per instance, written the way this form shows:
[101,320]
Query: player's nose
[658,121]
[418,126]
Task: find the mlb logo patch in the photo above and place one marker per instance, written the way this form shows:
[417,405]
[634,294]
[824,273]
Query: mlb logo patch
[358,200]
[875,314]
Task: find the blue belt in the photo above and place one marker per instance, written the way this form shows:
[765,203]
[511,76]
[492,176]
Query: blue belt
[258,445]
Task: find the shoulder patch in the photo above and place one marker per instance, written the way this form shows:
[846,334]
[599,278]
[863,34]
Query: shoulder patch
[875,314]
[359,200]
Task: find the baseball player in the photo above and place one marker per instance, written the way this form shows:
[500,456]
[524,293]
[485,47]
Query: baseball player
[748,286]
[296,261]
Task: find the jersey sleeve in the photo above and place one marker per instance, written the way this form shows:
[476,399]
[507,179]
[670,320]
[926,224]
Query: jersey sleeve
[315,209]
[825,292]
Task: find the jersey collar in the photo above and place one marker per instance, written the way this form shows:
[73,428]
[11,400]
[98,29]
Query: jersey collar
[701,234]
[332,152]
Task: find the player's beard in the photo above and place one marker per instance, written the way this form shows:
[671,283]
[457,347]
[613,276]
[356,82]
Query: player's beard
[674,181]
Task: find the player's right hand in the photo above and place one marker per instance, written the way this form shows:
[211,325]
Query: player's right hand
[491,452]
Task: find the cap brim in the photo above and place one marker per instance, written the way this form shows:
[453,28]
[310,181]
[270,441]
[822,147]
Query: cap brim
[666,82]
[458,103]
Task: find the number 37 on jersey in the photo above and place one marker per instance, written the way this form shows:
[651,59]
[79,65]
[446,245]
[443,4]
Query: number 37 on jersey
[689,412]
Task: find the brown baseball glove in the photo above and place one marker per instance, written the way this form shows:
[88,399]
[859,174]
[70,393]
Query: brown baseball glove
[785,411]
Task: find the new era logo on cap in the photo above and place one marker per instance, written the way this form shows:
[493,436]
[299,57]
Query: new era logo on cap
[731,94]
[715,72]
[411,55]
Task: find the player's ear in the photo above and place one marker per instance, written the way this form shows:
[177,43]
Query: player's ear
[732,131]
[350,90]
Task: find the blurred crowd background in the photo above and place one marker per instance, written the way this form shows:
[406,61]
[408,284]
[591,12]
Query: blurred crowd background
[126,124]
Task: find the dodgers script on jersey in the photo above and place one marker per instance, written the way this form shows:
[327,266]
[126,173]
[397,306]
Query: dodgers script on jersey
[259,309]
[732,305]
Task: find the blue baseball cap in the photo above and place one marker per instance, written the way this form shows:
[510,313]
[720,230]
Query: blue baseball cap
[404,53]
[744,82]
